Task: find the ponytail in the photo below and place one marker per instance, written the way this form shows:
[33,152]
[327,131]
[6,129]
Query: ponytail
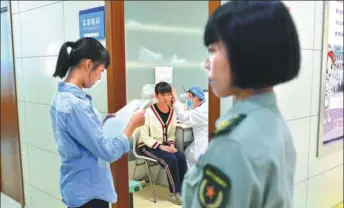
[63,61]
[84,48]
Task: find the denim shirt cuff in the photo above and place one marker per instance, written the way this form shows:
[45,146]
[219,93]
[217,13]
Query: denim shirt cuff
[125,141]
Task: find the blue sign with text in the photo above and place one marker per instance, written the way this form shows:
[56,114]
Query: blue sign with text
[92,23]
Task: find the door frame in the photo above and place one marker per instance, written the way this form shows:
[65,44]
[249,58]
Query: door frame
[214,102]
[116,87]
[20,185]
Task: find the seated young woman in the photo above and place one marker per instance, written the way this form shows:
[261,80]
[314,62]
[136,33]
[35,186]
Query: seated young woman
[157,140]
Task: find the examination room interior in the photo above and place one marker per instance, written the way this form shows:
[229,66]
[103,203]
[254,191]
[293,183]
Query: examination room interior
[146,40]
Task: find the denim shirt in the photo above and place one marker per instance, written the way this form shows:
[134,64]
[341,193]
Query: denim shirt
[81,142]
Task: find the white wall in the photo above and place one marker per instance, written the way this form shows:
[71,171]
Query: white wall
[318,181]
[40,28]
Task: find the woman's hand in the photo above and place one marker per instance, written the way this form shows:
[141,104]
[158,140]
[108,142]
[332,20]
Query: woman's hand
[173,149]
[174,97]
[170,149]
[137,120]
[166,148]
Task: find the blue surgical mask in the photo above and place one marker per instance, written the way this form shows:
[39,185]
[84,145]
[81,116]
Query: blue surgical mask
[189,104]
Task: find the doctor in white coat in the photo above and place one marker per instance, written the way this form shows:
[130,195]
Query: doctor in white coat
[197,118]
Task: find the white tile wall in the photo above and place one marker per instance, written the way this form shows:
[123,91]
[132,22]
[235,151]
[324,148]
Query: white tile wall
[22,121]
[40,199]
[15,7]
[326,189]
[40,28]
[16,35]
[318,181]
[27,195]
[316,82]
[28,5]
[19,79]
[300,132]
[303,13]
[44,167]
[300,195]
[38,75]
[318,26]
[44,138]
[25,162]
[289,94]
[99,95]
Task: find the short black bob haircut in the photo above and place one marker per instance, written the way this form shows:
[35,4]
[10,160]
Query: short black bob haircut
[162,88]
[84,48]
[261,41]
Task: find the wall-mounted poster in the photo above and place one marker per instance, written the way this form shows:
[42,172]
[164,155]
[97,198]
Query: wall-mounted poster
[92,23]
[331,107]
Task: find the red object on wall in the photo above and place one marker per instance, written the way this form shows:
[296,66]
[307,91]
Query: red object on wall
[331,55]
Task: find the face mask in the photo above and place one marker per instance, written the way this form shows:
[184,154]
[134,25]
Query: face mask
[189,104]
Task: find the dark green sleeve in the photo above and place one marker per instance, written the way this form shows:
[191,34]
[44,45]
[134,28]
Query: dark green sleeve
[229,178]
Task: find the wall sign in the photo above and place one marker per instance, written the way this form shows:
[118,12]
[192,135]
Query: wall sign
[331,107]
[92,23]
[163,74]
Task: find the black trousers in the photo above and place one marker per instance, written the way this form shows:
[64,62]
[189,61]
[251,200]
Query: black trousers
[95,203]
[173,163]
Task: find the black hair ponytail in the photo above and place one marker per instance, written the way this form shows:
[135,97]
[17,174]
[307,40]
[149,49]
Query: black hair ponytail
[63,60]
[84,48]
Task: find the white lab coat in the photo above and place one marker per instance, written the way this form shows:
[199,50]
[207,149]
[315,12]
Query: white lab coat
[198,120]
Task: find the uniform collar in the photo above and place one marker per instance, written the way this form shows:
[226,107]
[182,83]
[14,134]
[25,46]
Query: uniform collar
[75,90]
[252,103]
[256,101]
[201,103]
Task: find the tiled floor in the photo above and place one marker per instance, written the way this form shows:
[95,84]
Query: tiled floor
[144,198]
[341,205]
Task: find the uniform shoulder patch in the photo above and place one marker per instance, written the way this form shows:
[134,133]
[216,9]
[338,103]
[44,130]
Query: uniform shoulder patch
[214,188]
[227,126]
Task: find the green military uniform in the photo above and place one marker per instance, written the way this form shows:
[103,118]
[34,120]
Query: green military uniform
[250,162]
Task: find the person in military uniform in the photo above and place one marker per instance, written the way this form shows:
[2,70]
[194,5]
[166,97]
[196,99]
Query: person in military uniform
[250,161]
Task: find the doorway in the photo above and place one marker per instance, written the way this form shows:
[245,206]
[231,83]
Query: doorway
[117,86]
[11,171]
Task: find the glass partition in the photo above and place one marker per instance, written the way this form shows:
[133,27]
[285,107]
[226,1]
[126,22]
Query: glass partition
[168,34]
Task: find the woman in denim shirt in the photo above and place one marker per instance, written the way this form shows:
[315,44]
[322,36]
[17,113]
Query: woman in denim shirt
[78,128]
